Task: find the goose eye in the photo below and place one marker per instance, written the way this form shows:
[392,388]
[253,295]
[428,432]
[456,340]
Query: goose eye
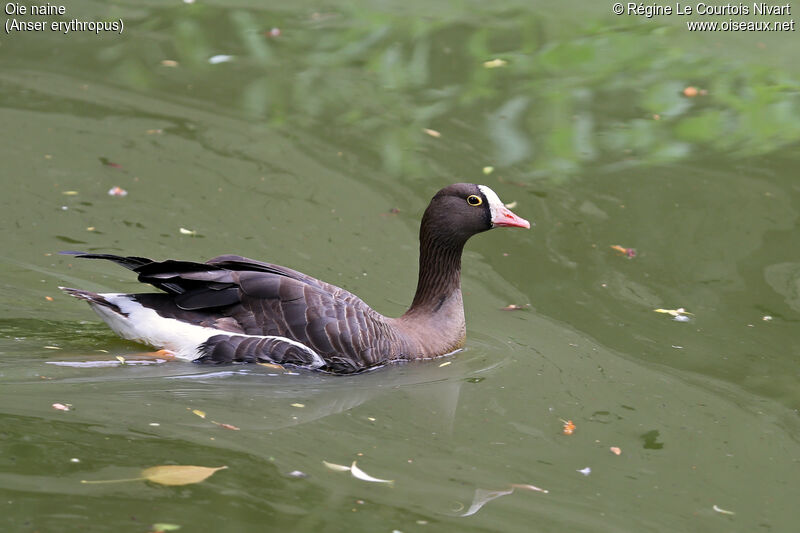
[473,199]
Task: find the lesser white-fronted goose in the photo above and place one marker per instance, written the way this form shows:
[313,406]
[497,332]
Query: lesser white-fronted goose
[233,309]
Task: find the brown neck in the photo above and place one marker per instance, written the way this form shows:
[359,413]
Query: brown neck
[439,280]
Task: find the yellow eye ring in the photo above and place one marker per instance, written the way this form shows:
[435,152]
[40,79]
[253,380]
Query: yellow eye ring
[474,200]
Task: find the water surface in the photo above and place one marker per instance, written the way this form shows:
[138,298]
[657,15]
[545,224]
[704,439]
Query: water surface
[306,148]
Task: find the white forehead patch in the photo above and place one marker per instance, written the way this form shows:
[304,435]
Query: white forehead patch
[495,205]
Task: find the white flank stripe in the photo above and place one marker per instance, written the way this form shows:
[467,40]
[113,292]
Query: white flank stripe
[148,327]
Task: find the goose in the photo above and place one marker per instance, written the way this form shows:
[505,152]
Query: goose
[231,309]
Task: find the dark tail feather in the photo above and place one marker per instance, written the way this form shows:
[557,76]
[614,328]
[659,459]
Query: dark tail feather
[131,263]
[92,297]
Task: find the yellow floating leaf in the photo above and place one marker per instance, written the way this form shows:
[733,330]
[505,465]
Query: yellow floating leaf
[432,133]
[335,467]
[52,348]
[199,413]
[495,63]
[673,312]
[271,365]
[179,474]
[70,193]
[120,359]
[165,527]
[445,364]
[488,170]
[300,405]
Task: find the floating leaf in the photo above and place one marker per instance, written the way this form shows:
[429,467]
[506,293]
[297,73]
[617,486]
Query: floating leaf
[673,312]
[363,476]
[179,474]
[70,193]
[615,450]
[335,467]
[488,170]
[433,133]
[495,63]
[721,510]
[445,364]
[569,427]
[165,527]
[220,58]
[630,252]
[109,163]
[298,405]
[185,231]
[117,191]
[120,359]
[60,406]
[171,63]
[225,426]
[199,413]
[482,496]
[532,488]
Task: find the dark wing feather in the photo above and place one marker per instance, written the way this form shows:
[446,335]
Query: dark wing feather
[336,324]
[266,299]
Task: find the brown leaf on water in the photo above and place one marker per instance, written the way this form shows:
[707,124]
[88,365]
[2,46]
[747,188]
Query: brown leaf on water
[691,92]
[569,427]
[615,450]
[179,474]
[629,252]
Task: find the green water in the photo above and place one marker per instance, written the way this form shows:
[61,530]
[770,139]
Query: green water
[307,149]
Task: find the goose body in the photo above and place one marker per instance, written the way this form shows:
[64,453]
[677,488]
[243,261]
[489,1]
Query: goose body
[233,309]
